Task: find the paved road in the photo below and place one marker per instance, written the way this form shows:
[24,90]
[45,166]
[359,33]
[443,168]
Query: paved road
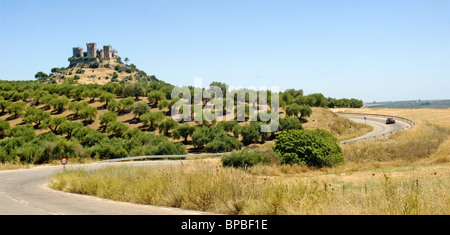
[25,192]
[380,127]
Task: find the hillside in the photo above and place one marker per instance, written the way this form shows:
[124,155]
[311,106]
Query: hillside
[101,73]
[86,121]
[342,128]
[96,66]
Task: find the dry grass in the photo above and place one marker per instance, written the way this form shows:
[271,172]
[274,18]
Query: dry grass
[101,75]
[342,128]
[408,146]
[14,166]
[207,186]
[407,173]
[427,142]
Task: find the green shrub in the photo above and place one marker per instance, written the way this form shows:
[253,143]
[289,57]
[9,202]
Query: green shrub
[151,144]
[114,76]
[116,129]
[289,123]
[64,148]
[167,125]
[29,152]
[214,139]
[26,132]
[152,119]
[223,143]
[318,148]
[4,156]
[93,138]
[183,131]
[202,136]
[250,157]
[118,68]
[228,125]
[107,118]
[108,149]
[140,108]
[4,128]
[80,71]
[88,113]
[94,65]
[68,128]
[16,108]
[250,133]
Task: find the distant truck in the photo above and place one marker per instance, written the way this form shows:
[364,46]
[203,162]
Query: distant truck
[390,121]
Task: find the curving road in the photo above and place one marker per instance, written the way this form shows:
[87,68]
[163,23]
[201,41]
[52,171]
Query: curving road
[380,128]
[25,192]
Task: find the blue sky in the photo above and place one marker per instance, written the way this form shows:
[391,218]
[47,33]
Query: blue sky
[371,50]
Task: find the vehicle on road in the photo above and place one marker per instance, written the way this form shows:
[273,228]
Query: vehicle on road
[390,121]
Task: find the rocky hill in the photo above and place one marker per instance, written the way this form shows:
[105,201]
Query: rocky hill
[99,73]
[95,67]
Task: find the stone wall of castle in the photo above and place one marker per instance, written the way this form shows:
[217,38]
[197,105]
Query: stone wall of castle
[91,49]
[107,53]
[77,52]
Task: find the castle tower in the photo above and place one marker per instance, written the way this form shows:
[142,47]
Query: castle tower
[77,52]
[102,55]
[107,52]
[115,54]
[92,49]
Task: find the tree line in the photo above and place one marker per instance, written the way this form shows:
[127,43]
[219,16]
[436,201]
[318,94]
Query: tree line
[292,96]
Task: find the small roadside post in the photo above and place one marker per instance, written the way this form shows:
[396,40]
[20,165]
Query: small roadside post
[365,120]
[64,162]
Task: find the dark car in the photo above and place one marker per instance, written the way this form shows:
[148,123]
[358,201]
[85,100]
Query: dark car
[390,121]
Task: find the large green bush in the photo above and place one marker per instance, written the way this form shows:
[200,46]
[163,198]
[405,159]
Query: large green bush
[318,148]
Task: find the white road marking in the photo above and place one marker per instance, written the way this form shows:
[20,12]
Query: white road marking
[28,204]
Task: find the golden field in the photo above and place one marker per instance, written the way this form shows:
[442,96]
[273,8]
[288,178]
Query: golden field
[407,173]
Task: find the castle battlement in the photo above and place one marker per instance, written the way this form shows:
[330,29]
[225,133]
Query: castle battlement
[92,54]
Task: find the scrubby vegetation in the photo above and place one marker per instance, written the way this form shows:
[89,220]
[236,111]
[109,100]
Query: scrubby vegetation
[250,157]
[342,128]
[406,147]
[388,176]
[208,186]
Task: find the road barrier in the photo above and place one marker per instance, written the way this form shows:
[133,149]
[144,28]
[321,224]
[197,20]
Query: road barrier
[407,120]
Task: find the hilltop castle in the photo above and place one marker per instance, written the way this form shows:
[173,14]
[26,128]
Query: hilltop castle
[92,54]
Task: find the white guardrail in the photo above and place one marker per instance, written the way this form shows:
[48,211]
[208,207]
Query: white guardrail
[407,120]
